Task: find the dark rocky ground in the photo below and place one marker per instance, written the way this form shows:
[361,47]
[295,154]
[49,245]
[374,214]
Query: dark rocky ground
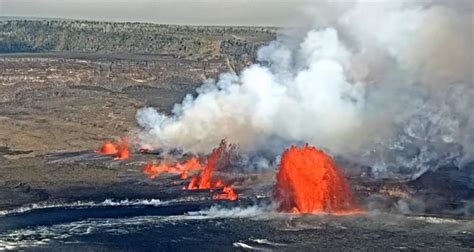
[65,103]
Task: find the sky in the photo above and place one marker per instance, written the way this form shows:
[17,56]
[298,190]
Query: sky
[212,12]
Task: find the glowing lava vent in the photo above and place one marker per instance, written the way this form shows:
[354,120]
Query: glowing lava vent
[119,150]
[308,181]
[206,180]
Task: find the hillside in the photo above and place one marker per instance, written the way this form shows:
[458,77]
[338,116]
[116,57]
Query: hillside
[238,44]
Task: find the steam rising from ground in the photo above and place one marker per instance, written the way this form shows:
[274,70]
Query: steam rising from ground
[388,85]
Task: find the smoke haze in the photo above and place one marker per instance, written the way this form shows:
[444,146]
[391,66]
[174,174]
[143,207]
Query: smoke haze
[186,12]
[386,85]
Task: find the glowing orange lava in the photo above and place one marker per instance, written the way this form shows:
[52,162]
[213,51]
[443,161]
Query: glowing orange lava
[122,151]
[155,170]
[308,181]
[190,165]
[108,148]
[182,169]
[119,150]
[205,179]
[228,193]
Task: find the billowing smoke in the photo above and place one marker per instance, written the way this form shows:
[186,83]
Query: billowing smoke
[388,85]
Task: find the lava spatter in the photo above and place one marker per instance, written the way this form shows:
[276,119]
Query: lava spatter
[205,180]
[227,193]
[182,169]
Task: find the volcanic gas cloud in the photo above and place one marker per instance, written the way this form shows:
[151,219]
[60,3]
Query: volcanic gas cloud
[308,181]
[388,85]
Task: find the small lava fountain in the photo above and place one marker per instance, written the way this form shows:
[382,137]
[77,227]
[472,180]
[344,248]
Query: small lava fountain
[206,179]
[107,148]
[308,181]
[119,149]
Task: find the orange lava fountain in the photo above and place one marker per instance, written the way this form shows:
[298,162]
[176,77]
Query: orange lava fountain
[119,150]
[308,181]
[205,179]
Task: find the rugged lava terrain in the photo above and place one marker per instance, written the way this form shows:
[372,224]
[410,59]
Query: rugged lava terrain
[66,86]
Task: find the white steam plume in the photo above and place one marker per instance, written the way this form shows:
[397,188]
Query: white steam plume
[386,84]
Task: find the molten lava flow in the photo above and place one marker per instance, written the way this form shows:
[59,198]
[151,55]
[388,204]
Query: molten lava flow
[205,180]
[190,165]
[119,150]
[154,170]
[308,181]
[182,169]
[228,193]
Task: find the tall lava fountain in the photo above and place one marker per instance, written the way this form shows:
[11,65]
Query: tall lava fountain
[308,181]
